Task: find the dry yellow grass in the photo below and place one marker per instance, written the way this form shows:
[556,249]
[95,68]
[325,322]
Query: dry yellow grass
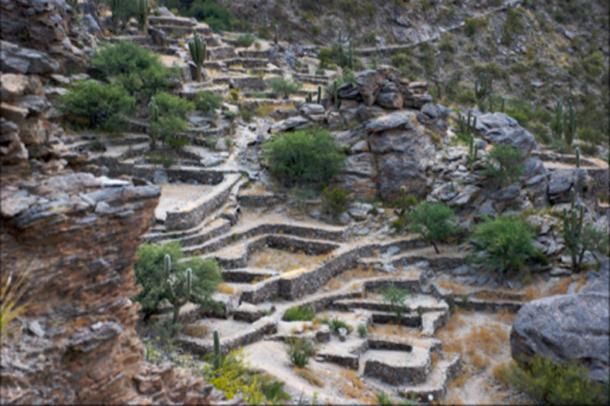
[196,330]
[500,373]
[460,380]
[265,109]
[453,287]
[506,317]
[226,289]
[309,376]
[488,339]
[560,288]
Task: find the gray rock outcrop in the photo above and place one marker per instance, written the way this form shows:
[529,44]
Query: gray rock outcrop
[573,327]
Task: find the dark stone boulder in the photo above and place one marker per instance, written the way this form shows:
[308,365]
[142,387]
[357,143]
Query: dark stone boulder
[564,328]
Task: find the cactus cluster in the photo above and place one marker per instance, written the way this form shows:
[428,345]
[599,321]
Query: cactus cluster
[199,53]
[493,107]
[466,130]
[473,150]
[483,87]
[563,125]
[573,225]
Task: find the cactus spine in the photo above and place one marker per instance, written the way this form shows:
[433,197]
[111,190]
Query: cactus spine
[217,354]
[199,53]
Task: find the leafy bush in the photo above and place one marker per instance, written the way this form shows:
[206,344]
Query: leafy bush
[338,55]
[395,297]
[137,69]
[234,378]
[363,330]
[299,351]
[433,221]
[506,166]
[283,87]
[503,245]
[207,102]
[245,40]
[218,17]
[306,157]
[335,200]
[168,118]
[299,313]
[335,324]
[175,284]
[472,25]
[513,26]
[550,383]
[97,105]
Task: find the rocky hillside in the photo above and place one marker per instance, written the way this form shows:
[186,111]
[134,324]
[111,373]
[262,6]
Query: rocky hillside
[535,53]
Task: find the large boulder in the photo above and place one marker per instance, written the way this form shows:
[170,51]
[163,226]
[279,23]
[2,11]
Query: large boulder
[498,128]
[573,327]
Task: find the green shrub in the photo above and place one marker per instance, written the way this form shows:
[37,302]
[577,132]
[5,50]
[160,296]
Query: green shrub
[234,378]
[503,245]
[163,278]
[338,55]
[299,313]
[472,25]
[245,40]
[218,17]
[284,88]
[299,351]
[335,200]
[335,324]
[395,297]
[513,26]
[305,158]
[363,330]
[97,105]
[506,166]
[433,221]
[167,115]
[556,384]
[137,69]
[208,102]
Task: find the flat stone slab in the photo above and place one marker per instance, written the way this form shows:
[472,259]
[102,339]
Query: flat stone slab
[436,383]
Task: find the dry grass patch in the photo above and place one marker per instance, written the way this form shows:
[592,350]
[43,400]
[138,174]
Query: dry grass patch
[454,287]
[309,376]
[225,288]
[488,339]
[560,288]
[196,330]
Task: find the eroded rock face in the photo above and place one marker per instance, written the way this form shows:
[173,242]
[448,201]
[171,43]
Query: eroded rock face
[573,327]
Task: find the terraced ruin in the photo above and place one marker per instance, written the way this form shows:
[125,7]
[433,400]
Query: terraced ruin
[442,341]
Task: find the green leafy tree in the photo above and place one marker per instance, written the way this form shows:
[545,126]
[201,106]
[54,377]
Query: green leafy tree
[506,165]
[283,87]
[137,69]
[167,114]
[163,276]
[396,297]
[303,158]
[435,222]
[208,102]
[97,105]
[503,245]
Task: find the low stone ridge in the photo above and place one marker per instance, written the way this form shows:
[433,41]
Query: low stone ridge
[564,328]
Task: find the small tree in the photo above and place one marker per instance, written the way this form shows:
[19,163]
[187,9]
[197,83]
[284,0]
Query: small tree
[303,158]
[506,166]
[335,200]
[97,105]
[283,87]
[167,115]
[581,237]
[503,245]
[162,276]
[433,221]
[395,297]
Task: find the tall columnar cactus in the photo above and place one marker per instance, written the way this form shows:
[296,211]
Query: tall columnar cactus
[483,86]
[569,126]
[468,125]
[558,120]
[350,56]
[473,150]
[577,156]
[217,353]
[199,53]
[319,100]
[142,12]
[573,225]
